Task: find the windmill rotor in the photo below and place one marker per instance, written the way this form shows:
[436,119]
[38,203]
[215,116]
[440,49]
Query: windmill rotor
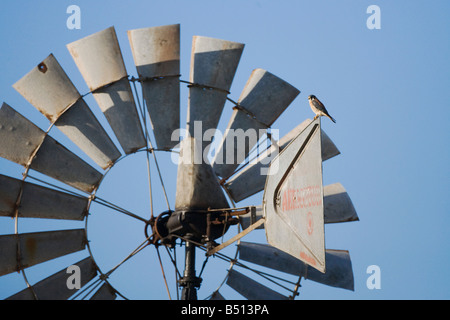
[60,184]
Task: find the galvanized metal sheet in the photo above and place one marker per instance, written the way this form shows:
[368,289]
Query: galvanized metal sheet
[252,178]
[100,62]
[214,61]
[156,53]
[197,185]
[264,98]
[240,137]
[106,292]
[213,64]
[293,199]
[117,103]
[9,192]
[251,289]
[38,247]
[337,204]
[82,127]
[56,161]
[339,268]
[55,287]
[204,111]
[48,88]
[99,59]
[19,137]
[39,202]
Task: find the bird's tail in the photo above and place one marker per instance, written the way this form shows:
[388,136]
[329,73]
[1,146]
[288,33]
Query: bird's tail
[331,118]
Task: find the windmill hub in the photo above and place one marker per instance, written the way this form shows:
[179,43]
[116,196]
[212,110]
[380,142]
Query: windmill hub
[197,225]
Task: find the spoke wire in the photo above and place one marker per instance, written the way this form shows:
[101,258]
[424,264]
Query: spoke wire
[163,273]
[150,147]
[147,139]
[96,199]
[106,275]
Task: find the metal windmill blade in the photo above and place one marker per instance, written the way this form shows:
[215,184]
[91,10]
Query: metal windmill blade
[100,62]
[213,65]
[156,53]
[262,101]
[289,171]
[49,89]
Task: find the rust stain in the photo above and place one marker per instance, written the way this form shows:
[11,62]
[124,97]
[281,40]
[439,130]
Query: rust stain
[42,67]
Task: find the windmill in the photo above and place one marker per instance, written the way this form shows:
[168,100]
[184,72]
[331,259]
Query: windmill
[206,191]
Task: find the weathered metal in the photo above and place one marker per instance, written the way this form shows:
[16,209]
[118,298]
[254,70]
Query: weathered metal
[293,199]
[56,161]
[197,185]
[19,137]
[338,206]
[21,251]
[55,96]
[83,128]
[213,66]
[156,53]
[250,218]
[55,287]
[99,59]
[39,202]
[23,142]
[251,289]
[339,267]
[252,178]
[235,238]
[262,101]
[50,91]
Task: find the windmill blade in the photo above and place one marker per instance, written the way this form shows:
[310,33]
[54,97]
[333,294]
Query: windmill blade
[197,184]
[19,140]
[339,271]
[251,289]
[48,88]
[39,202]
[156,53]
[21,251]
[55,287]
[106,292]
[252,179]
[263,99]
[338,206]
[100,62]
[213,66]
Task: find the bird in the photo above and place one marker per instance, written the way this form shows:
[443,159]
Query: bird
[318,108]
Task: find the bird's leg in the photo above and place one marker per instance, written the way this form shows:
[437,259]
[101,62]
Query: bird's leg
[316,116]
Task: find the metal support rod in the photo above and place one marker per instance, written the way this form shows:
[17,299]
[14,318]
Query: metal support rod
[190,282]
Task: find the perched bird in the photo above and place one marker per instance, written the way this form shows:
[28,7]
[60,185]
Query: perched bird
[318,108]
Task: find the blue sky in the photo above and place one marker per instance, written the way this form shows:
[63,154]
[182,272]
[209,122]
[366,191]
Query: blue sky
[387,89]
